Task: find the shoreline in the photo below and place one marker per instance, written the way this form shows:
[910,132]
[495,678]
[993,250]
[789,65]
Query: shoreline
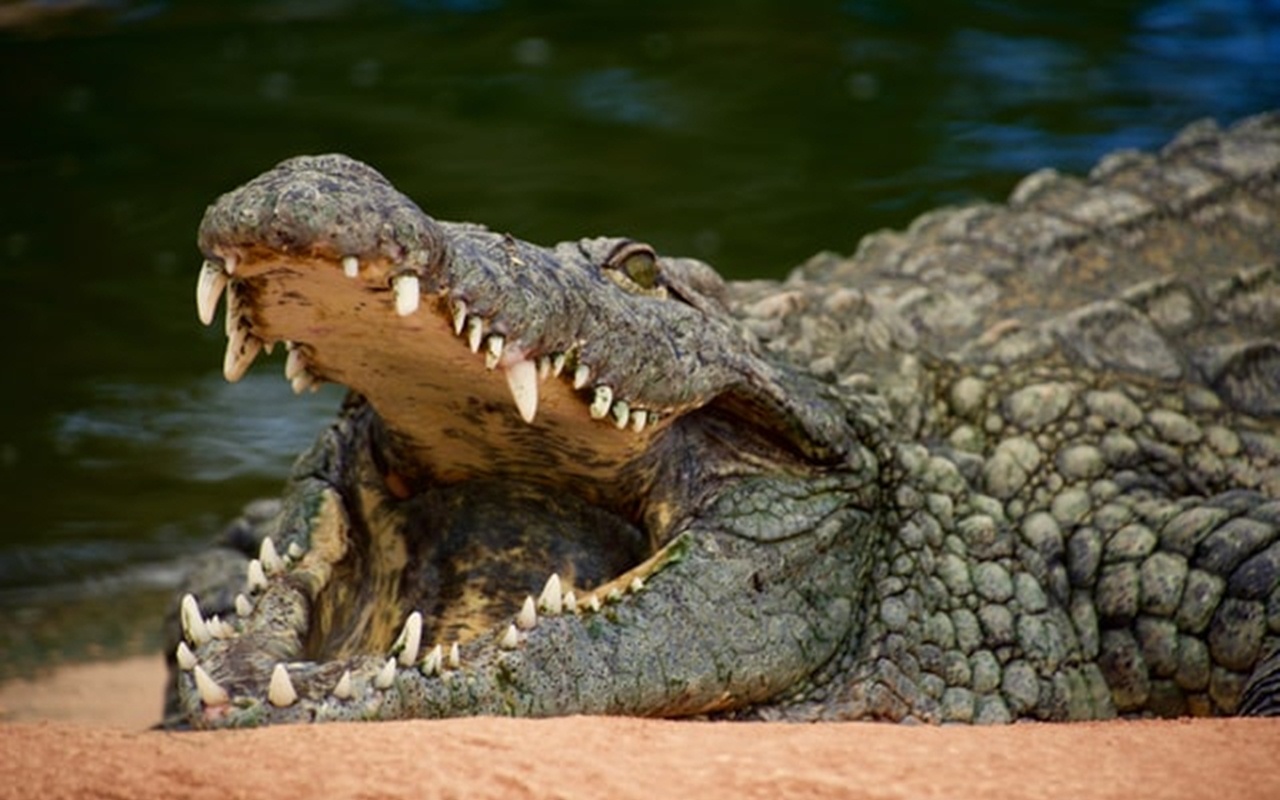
[81,731]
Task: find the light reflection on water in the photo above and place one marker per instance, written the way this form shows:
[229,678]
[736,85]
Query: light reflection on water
[209,431]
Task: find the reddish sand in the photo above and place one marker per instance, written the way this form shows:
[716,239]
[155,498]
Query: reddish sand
[102,753]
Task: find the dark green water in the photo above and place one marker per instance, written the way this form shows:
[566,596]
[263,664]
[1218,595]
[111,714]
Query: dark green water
[750,134]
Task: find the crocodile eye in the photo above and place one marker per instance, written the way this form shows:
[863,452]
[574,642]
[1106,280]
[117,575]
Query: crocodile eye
[635,263]
[642,267]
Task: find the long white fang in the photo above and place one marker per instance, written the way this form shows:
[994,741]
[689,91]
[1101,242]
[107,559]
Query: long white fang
[351,266]
[386,676]
[455,656]
[242,348]
[186,658]
[412,639]
[272,563]
[281,693]
[509,639]
[209,290]
[211,694]
[193,624]
[243,606]
[581,375]
[603,399]
[527,619]
[459,316]
[342,690]
[522,380]
[431,664]
[550,600]
[256,576]
[408,294]
[475,333]
[621,413]
[295,364]
[493,351]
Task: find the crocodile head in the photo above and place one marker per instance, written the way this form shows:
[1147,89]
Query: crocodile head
[516,413]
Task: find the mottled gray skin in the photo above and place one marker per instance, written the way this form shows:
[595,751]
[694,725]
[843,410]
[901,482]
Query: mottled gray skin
[1020,461]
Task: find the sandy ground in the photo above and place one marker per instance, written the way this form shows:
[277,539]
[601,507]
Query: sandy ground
[80,733]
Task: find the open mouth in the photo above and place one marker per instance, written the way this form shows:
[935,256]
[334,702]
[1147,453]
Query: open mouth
[509,454]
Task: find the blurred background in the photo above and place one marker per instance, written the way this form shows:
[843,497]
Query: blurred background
[749,134]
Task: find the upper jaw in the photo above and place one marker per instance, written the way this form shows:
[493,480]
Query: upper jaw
[483,354]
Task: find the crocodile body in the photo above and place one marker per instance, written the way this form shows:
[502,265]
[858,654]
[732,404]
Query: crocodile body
[1018,461]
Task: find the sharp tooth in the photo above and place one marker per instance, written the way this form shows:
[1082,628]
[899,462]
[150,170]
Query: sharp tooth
[211,694]
[557,364]
[271,561]
[219,629]
[242,348]
[408,294]
[593,602]
[509,639]
[243,606]
[412,636]
[295,364]
[544,368]
[229,265]
[186,658]
[603,399]
[209,290]
[431,664]
[295,551]
[571,602]
[281,692]
[639,418]
[351,266]
[621,413]
[386,676]
[637,583]
[581,375]
[527,619]
[302,382]
[342,690]
[522,380]
[455,656]
[256,576]
[475,333]
[493,352]
[550,600]
[193,624]
[459,316]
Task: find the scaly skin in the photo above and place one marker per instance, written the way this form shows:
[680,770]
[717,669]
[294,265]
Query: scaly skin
[1020,461]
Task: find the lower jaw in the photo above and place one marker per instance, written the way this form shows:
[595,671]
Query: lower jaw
[465,556]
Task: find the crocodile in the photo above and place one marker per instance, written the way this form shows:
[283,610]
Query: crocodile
[1018,461]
